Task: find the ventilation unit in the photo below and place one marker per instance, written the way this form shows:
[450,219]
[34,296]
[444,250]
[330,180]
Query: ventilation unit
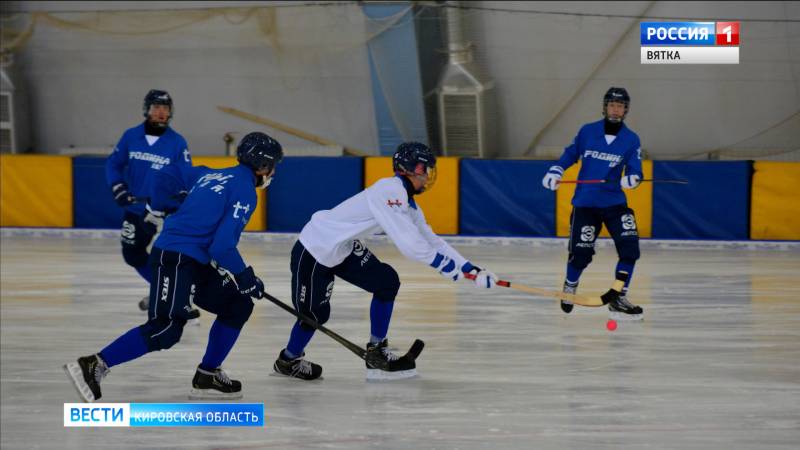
[464,99]
[13,129]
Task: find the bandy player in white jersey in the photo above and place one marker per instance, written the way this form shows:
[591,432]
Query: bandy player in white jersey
[329,245]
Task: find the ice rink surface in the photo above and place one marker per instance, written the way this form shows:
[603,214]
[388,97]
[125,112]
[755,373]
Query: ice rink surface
[714,365]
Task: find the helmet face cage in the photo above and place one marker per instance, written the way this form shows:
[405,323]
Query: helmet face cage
[431,171]
[616,95]
[157,97]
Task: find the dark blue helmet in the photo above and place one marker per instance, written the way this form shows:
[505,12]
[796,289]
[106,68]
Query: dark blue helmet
[156,97]
[259,151]
[618,95]
[415,158]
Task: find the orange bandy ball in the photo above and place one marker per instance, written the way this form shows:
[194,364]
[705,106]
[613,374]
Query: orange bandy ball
[611,325]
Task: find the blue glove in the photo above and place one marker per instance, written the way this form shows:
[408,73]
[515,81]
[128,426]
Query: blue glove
[553,176]
[249,284]
[121,194]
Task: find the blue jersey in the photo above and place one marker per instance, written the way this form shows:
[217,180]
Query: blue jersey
[210,221]
[167,186]
[602,161]
[135,161]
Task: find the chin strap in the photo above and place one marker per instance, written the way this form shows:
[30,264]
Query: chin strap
[263,181]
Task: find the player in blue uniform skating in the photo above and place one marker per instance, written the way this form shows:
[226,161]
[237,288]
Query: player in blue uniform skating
[605,147]
[187,261]
[131,169]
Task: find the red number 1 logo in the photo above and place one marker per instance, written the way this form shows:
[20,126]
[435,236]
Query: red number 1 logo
[727,33]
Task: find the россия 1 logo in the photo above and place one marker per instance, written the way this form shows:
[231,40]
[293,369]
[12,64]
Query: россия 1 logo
[689,42]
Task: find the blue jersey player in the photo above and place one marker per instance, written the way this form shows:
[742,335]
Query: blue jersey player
[605,148]
[131,169]
[187,261]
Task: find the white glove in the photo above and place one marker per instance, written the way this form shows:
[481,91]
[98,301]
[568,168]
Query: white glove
[630,181]
[446,267]
[553,176]
[485,279]
[154,217]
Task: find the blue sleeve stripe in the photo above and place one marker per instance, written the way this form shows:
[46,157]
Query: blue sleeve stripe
[449,267]
[437,260]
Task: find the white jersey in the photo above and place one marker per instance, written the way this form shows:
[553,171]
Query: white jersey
[384,206]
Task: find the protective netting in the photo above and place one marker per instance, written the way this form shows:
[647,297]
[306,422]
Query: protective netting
[548,64]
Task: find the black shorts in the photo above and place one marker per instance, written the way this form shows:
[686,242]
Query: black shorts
[586,224]
[312,282]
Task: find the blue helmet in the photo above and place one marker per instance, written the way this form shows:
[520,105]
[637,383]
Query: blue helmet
[157,97]
[409,156]
[617,95]
[258,151]
[415,158]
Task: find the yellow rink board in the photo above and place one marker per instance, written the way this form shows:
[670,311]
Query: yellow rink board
[35,191]
[440,204]
[774,207]
[258,221]
[639,199]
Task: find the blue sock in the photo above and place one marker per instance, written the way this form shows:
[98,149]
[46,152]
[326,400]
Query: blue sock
[127,347]
[573,274]
[380,313]
[298,340]
[144,271]
[624,267]
[221,338]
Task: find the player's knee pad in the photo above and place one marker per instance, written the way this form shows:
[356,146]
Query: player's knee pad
[628,251]
[162,334]
[134,256]
[321,313]
[237,313]
[580,258]
[389,283]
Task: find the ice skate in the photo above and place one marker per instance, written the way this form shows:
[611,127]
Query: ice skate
[297,367]
[621,309]
[86,374]
[569,288]
[397,367]
[214,385]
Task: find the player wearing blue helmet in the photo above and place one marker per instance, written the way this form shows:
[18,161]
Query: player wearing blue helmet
[605,148]
[192,258]
[132,170]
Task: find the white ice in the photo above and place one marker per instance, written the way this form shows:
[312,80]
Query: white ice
[714,365]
